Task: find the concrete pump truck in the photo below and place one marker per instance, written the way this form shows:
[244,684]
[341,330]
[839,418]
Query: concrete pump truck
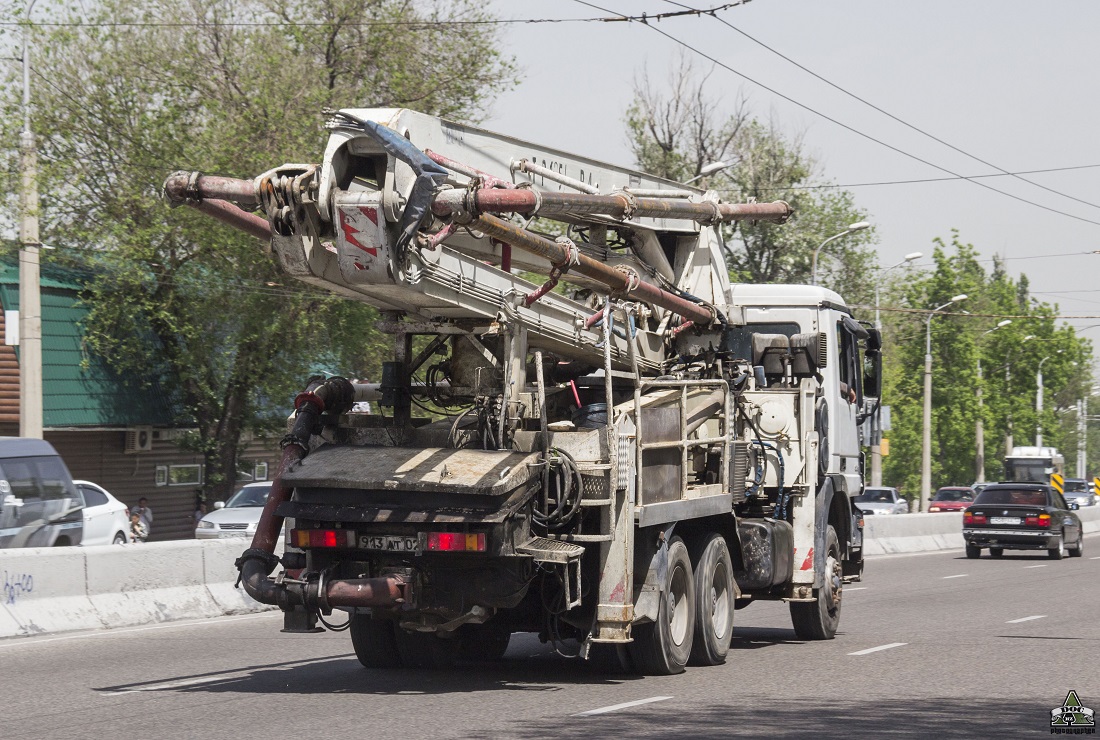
[616,454]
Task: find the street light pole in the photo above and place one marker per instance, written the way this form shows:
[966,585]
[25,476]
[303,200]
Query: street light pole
[1039,400]
[876,420]
[926,446]
[857,226]
[30,299]
[979,425]
[706,170]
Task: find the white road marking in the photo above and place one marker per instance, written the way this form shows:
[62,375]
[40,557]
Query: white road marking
[880,647]
[961,575]
[1095,558]
[625,705]
[1025,619]
[855,588]
[1034,566]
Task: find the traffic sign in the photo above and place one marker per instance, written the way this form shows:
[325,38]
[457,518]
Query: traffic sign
[1058,482]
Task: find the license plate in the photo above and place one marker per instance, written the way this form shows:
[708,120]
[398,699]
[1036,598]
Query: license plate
[389,542]
[1004,520]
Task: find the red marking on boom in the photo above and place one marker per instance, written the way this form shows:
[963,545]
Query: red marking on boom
[808,563]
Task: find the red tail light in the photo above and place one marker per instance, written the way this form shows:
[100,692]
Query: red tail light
[322,538]
[1038,520]
[456,541]
[971,518]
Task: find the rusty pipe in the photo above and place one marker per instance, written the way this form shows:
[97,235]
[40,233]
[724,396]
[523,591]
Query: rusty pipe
[383,591]
[616,280]
[336,395]
[183,186]
[617,205]
[216,196]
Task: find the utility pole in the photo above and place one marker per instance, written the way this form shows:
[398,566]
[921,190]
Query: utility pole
[30,299]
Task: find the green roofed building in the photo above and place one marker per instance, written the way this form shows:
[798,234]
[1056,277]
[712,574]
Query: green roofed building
[120,432]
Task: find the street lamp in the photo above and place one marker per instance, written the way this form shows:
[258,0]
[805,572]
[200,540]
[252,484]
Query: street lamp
[926,446]
[876,419]
[708,169]
[1039,400]
[979,425]
[878,283]
[1008,384]
[852,228]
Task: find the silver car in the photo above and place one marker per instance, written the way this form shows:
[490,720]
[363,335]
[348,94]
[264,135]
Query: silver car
[1079,491]
[238,516]
[881,500]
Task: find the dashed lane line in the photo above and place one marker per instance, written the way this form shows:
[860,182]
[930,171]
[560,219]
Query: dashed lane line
[880,647]
[855,588]
[624,705]
[960,575]
[1025,619]
[1034,566]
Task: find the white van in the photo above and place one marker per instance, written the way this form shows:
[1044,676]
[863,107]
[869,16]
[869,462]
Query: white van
[39,504]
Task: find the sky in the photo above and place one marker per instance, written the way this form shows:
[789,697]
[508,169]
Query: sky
[1015,84]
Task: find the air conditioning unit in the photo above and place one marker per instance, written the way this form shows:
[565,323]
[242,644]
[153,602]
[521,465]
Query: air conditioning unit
[138,439]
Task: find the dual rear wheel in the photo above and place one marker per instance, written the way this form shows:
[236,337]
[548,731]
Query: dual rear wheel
[694,621]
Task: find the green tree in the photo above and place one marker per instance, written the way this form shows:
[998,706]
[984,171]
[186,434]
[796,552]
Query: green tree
[125,93]
[1009,359]
[676,131]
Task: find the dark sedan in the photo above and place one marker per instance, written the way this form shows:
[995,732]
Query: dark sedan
[1022,516]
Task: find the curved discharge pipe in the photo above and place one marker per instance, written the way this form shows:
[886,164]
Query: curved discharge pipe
[336,395]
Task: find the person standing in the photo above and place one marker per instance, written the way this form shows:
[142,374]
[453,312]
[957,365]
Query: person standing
[138,532]
[145,514]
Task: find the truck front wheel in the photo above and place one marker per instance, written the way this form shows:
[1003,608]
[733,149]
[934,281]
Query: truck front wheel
[662,648]
[818,619]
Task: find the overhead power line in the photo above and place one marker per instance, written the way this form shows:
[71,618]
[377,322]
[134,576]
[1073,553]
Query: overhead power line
[890,115]
[845,126]
[420,25]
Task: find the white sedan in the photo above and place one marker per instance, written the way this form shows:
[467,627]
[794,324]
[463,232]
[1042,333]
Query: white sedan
[106,519]
[238,516]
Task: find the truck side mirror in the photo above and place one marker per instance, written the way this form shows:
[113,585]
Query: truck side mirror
[872,373]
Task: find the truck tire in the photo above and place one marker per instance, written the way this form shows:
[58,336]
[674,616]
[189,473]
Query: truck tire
[714,600]
[374,642]
[426,649]
[483,641]
[663,647]
[818,620]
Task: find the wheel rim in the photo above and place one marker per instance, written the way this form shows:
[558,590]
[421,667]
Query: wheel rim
[678,607]
[720,601]
[834,582]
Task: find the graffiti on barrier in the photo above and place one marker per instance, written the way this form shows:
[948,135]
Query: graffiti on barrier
[17,584]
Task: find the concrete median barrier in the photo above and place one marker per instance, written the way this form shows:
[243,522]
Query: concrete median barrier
[48,590]
[902,533]
[44,590]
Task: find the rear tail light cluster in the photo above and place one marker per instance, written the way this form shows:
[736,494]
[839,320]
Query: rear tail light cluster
[971,518]
[1037,520]
[456,541]
[336,538]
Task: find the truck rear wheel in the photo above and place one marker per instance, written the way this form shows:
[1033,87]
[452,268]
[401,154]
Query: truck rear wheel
[818,620]
[663,647]
[426,649]
[714,597]
[483,641]
[374,642]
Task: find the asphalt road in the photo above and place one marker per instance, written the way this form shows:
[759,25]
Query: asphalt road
[931,644]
